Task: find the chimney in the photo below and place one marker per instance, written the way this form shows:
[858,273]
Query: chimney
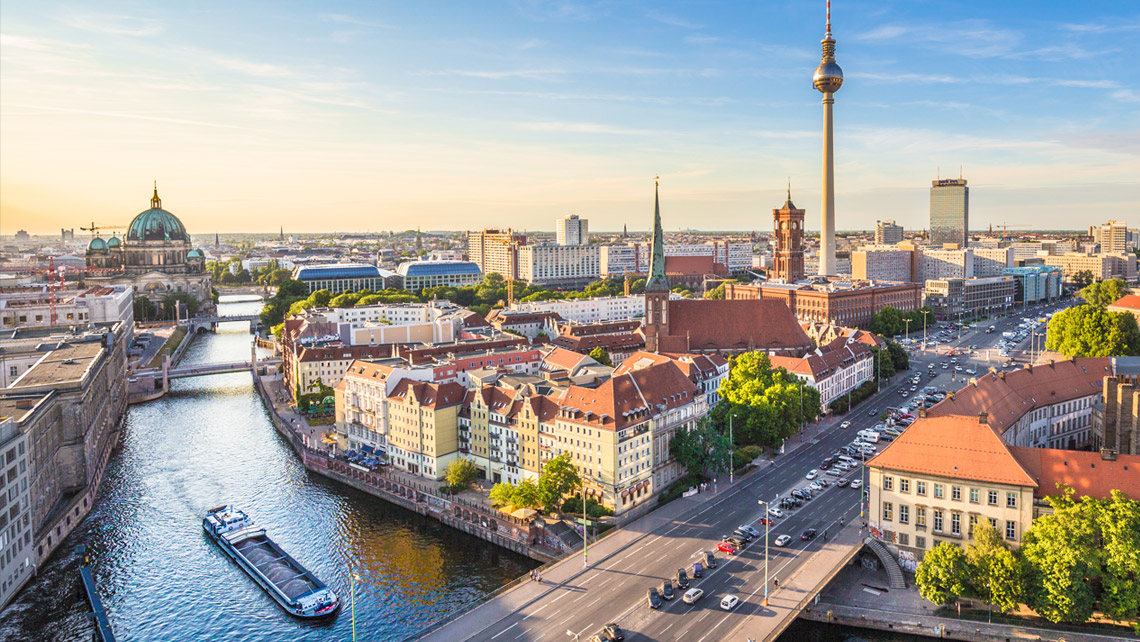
[1108,454]
[1029,367]
[1051,364]
[922,413]
[950,395]
[1001,375]
[983,417]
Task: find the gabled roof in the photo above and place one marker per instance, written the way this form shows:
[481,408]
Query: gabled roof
[563,359]
[609,342]
[1007,396]
[1085,472]
[429,395]
[710,324]
[954,446]
[1126,303]
[629,398]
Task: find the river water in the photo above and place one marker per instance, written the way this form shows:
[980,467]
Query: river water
[210,442]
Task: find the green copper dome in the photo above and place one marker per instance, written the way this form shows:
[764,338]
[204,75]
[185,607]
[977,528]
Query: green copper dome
[156,224]
[114,242]
[194,254]
[97,245]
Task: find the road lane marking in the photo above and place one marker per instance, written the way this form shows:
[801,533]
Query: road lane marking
[504,630]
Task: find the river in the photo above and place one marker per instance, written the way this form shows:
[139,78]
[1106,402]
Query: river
[210,442]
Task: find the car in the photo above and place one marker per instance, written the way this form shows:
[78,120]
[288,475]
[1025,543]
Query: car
[846,424]
[766,521]
[735,540]
[775,512]
[902,392]
[872,412]
[698,571]
[812,474]
[808,534]
[667,590]
[912,388]
[682,579]
[823,482]
[710,559]
[729,602]
[727,547]
[798,494]
[750,530]
[743,534]
[824,465]
[856,483]
[808,493]
[783,540]
[653,598]
[693,595]
[613,632]
[816,486]
[842,483]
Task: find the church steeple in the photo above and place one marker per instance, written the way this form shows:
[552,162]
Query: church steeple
[657,281]
[155,201]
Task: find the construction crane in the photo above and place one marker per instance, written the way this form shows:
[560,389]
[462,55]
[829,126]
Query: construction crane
[94,229]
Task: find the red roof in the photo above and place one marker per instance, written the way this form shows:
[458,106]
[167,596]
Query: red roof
[609,342]
[1126,303]
[563,359]
[429,395]
[689,265]
[708,325]
[1085,472]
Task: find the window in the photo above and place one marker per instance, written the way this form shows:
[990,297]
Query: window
[904,514]
[973,523]
[920,488]
[1011,500]
[938,491]
[887,510]
[888,482]
[1010,529]
[920,516]
[904,485]
[993,498]
[937,521]
[920,542]
[955,523]
[973,495]
[993,523]
[904,539]
[956,493]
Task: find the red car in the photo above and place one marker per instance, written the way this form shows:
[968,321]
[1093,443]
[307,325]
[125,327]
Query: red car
[726,547]
[765,521]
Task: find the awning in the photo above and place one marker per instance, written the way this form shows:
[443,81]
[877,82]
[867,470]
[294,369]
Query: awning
[367,449]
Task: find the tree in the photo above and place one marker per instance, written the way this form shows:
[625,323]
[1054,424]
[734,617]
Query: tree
[144,310]
[527,495]
[461,473]
[170,305]
[1083,278]
[887,322]
[559,478]
[502,494]
[1061,561]
[995,574]
[884,365]
[942,576]
[767,404]
[600,355]
[1119,522]
[1089,331]
[899,357]
[702,450]
[715,293]
[1104,293]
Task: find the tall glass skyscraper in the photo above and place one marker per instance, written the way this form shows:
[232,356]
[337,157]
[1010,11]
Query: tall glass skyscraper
[949,211]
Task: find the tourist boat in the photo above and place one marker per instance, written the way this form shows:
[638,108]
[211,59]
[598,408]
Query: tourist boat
[291,585]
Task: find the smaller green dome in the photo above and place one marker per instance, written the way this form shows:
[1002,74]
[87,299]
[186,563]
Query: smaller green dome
[194,254]
[114,242]
[97,245]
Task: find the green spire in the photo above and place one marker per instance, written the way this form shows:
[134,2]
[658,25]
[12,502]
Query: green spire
[657,281]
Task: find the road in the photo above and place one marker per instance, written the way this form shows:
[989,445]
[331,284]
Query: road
[614,590]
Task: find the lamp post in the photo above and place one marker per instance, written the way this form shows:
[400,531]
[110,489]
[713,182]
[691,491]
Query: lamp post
[924,313]
[862,479]
[585,532]
[352,577]
[731,448]
[907,322]
[767,521]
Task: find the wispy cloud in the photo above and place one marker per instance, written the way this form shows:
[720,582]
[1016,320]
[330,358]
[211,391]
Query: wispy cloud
[1100,27]
[504,74]
[584,128]
[1126,96]
[115,25]
[341,18]
[258,69]
[972,38]
[672,21]
[40,110]
[532,43]
[701,40]
[556,10]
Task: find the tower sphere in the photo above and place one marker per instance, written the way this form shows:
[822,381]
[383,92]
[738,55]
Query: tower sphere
[828,77]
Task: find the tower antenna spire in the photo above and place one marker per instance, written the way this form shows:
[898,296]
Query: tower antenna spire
[789,189]
[829,17]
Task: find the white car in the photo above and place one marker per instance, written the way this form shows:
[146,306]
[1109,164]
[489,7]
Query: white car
[776,512]
[692,595]
[812,474]
[856,483]
[845,424]
[729,602]
[816,486]
[783,540]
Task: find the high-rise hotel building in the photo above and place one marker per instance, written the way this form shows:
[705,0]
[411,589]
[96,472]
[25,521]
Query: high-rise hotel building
[949,212]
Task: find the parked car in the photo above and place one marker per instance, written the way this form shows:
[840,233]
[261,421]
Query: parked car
[846,424]
[783,540]
[812,474]
[729,602]
[710,559]
[682,578]
[698,571]
[753,531]
[743,534]
[613,632]
[735,540]
[667,590]
[808,534]
[776,512]
[693,595]
[727,547]
[653,598]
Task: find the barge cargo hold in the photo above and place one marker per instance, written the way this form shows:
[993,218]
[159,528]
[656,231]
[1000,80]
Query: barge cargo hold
[291,585]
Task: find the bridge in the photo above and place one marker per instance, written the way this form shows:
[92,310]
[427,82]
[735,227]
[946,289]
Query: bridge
[202,370]
[197,324]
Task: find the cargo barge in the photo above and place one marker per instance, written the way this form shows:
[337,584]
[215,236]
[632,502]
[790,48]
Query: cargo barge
[291,585]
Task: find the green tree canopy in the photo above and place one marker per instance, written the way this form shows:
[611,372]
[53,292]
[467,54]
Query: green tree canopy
[767,404]
[1083,278]
[995,573]
[1090,331]
[715,293]
[600,355]
[1104,293]
[558,479]
[899,356]
[702,450]
[943,575]
[461,473]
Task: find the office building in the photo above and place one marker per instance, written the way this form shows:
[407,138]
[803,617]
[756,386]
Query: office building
[340,277]
[788,257]
[947,263]
[17,553]
[1101,266]
[1035,283]
[572,230]
[33,307]
[559,265]
[949,212]
[887,233]
[717,257]
[957,299]
[839,302]
[899,263]
[1112,237]
[496,251]
[991,261]
[417,275]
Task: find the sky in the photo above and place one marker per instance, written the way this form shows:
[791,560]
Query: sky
[375,116]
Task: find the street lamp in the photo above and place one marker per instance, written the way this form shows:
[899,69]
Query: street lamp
[924,313]
[732,445]
[767,521]
[577,636]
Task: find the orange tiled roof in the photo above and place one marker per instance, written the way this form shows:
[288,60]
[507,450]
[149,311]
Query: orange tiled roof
[1126,303]
[954,446]
[1085,472]
[709,324]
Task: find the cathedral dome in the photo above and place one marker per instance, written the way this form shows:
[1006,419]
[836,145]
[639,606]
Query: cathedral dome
[156,224]
[114,242]
[194,254]
[97,245]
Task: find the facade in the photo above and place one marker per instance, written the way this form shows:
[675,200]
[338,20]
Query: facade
[1116,414]
[496,251]
[724,257]
[572,230]
[1113,237]
[31,307]
[527,324]
[17,554]
[991,261]
[961,299]
[340,277]
[884,263]
[559,265]
[838,302]
[833,369]
[947,263]
[887,233]
[1035,283]
[619,339]
[788,257]
[593,310]
[417,275]
[156,258]
[1102,266]
[950,212]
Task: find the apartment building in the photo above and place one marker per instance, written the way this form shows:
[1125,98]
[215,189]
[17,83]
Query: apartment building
[1102,266]
[885,263]
[1113,237]
[496,251]
[834,369]
[887,233]
[947,263]
[17,552]
[559,265]
[991,261]
[734,257]
[571,230]
[592,310]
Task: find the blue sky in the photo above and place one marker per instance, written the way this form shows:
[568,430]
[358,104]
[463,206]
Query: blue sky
[377,116]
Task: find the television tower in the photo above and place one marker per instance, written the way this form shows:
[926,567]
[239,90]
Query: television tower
[828,79]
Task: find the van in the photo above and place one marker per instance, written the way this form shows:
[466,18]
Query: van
[847,460]
[869,436]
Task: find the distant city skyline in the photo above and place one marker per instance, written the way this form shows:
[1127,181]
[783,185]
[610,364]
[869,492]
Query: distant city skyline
[359,118]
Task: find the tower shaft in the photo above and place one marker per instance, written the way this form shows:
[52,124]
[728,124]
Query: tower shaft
[827,202]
